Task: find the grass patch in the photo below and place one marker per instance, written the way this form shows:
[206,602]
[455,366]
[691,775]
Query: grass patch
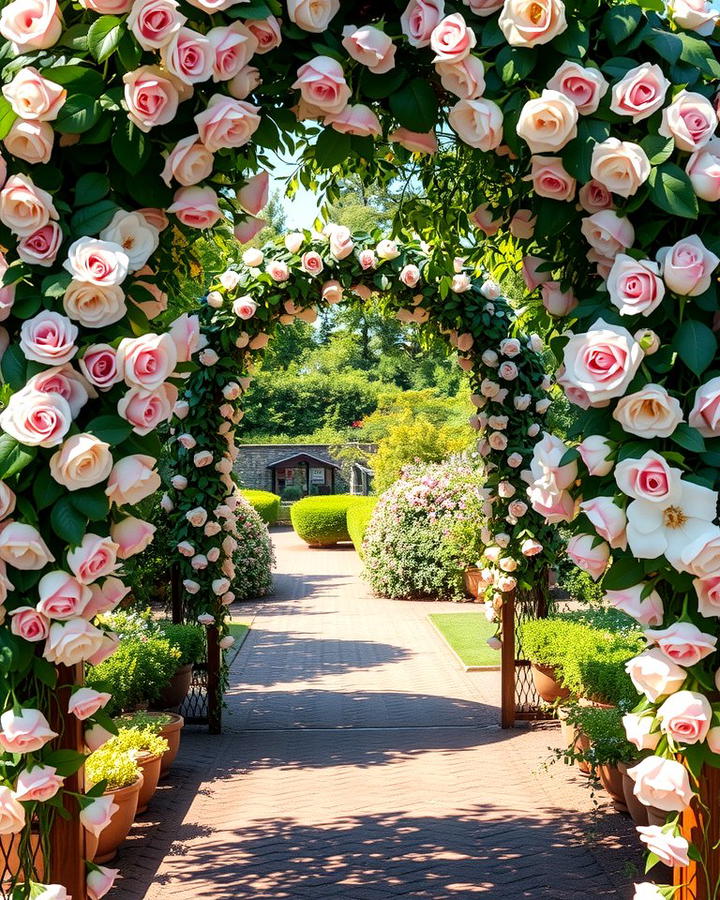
[467,634]
[239,631]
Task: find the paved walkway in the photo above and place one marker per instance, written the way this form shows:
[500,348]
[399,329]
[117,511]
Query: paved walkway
[359,761]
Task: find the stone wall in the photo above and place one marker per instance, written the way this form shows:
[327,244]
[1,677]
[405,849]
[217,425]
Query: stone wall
[253,461]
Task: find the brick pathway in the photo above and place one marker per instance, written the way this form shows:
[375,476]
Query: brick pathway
[358,761]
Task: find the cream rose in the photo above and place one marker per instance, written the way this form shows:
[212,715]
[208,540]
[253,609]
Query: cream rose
[479,123]
[527,23]
[585,87]
[621,166]
[72,642]
[451,39]
[25,208]
[602,362]
[33,97]
[548,123]
[690,120]
[312,15]
[82,461]
[663,783]
[465,79]
[30,141]
[93,305]
[31,24]
[705,414]
[648,413]
[654,675]
[227,123]
[22,546]
[132,232]
[370,47]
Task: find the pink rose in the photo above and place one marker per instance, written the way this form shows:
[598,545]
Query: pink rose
[22,546]
[106,597]
[133,478]
[640,92]
[244,308]
[553,505]
[96,736]
[107,7]
[132,536]
[96,815]
[484,219]
[687,267]
[108,645]
[592,559]
[31,24]
[29,623]
[244,83]
[196,207]
[703,167]
[522,225]
[683,643]
[25,731]
[671,849]
[278,270]
[7,500]
[48,338]
[34,97]
[322,85]
[12,813]
[699,16]
[370,47]
[146,409]
[357,119]
[602,361]
[550,179]
[98,365]
[234,46]
[585,87]
[35,418]
[99,262]
[227,123]
[62,596]
[40,248]
[253,196]
[609,520]
[705,414]
[648,478]
[37,784]
[638,731]
[635,286]
[146,362]
[151,96]
[479,123]
[594,197]
[556,301]
[532,277]
[414,141]
[155,22]
[645,606]
[312,263]
[663,783]
[313,15]
[420,19]
[99,881]
[690,120]
[63,380]
[30,141]
[685,717]
[267,33]
[25,208]
[607,232]
[85,702]
[465,78]
[185,332]
[189,56]
[7,292]
[410,275]
[188,162]
[451,39]
[96,556]
[708,594]
[527,23]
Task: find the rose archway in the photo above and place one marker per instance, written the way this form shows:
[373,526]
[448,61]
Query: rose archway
[290,278]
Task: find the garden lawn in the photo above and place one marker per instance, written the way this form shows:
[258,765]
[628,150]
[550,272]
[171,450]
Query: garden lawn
[239,631]
[467,634]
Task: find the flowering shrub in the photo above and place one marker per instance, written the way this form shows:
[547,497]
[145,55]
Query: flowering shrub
[255,557]
[406,553]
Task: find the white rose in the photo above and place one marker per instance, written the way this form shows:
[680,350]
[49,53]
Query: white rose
[132,232]
[548,123]
[621,166]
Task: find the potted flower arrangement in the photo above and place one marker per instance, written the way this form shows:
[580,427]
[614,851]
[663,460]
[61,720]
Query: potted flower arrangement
[166,725]
[147,747]
[189,641]
[121,778]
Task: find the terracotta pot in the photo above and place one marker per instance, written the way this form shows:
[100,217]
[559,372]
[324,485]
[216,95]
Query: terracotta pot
[177,689]
[546,684]
[567,732]
[471,579]
[612,780]
[9,846]
[150,766]
[656,816]
[581,745]
[171,733]
[638,812]
[115,833]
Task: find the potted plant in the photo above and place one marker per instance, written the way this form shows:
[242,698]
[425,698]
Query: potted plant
[464,545]
[120,773]
[167,725]
[189,641]
[544,641]
[136,674]
[147,747]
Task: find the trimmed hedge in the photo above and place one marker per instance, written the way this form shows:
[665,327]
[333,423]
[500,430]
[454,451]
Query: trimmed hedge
[322,521]
[358,519]
[264,503]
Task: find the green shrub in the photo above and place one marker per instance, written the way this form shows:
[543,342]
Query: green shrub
[138,740]
[136,674]
[408,553]
[154,721]
[264,503]
[254,558]
[358,519]
[606,734]
[188,639]
[580,586]
[292,493]
[322,521]
[118,768]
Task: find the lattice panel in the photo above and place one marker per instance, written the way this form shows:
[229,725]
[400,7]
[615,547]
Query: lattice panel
[194,708]
[528,704]
[10,863]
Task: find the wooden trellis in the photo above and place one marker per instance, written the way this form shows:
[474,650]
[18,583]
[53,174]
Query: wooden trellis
[519,699]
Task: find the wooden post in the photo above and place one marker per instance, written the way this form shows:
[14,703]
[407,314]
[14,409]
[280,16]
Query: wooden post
[507,661]
[700,824]
[67,838]
[214,690]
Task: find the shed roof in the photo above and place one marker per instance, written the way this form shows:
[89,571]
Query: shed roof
[309,458]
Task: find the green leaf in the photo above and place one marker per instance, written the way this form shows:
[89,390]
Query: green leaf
[13,456]
[79,113]
[67,762]
[624,573]
[657,148]
[92,219]
[129,53]
[415,105]
[91,187]
[515,63]
[67,523]
[577,155]
[671,190]
[112,429]
[131,148]
[618,67]
[696,345]
[665,43]
[78,79]
[574,41]
[74,37]
[377,87]
[13,366]
[570,455]
[55,285]
[331,148]
[45,489]
[91,503]
[620,22]
[104,36]
[699,54]
[688,438]
[7,117]
[45,671]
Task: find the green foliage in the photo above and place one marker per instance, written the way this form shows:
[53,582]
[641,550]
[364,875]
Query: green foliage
[407,553]
[117,768]
[254,558]
[265,504]
[143,720]
[321,521]
[188,639]
[136,674]
[580,586]
[358,519]
[606,734]
[292,493]
[138,740]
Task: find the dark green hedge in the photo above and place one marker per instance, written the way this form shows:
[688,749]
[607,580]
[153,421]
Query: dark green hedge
[322,521]
[358,519]
[264,503]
